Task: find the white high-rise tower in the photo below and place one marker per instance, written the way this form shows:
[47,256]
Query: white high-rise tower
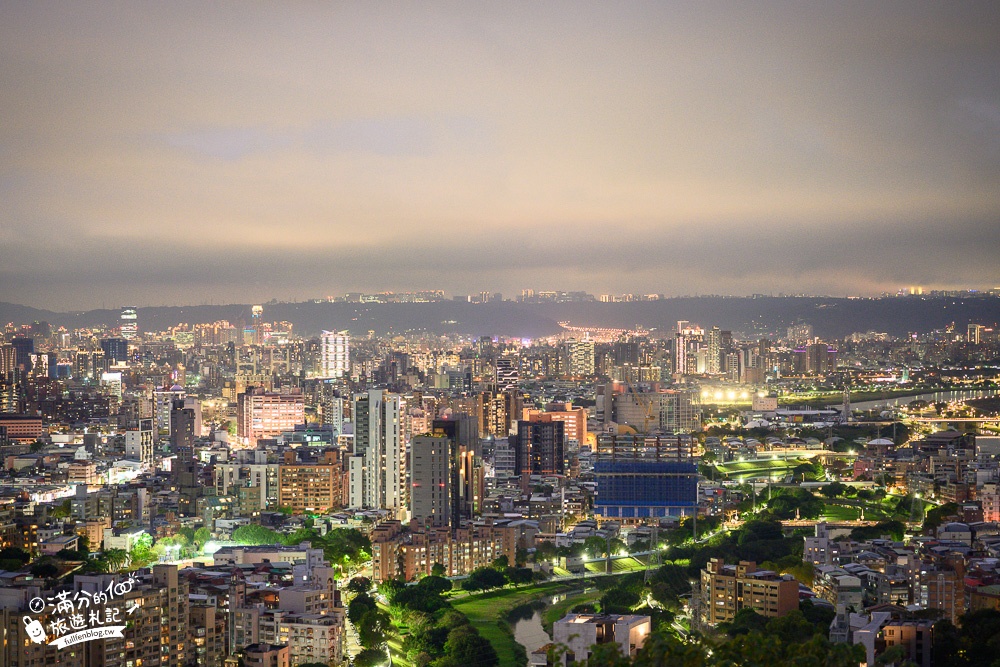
[377,470]
[335,360]
[129,323]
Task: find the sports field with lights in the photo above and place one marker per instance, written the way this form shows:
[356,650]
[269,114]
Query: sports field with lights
[739,470]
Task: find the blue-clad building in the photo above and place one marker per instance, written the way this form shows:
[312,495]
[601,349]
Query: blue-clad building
[645,477]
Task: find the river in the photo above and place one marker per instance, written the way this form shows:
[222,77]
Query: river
[530,634]
[938,396]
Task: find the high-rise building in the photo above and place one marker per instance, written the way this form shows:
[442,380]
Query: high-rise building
[680,354]
[378,471]
[430,480]
[507,375]
[645,476]
[153,608]
[258,480]
[115,350]
[265,414]
[331,405]
[174,620]
[163,402]
[256,325]
[815,359]
[496,411]
[24,348]
[335,354]
[539,448]
[466,474]
[139,440]
[626,353]
[574,419]
[315,487]
[129,326]
[8,361]
[713,365]
[184,468]
[667,411]
[581,357]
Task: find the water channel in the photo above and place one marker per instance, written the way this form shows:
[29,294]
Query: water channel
[529,632]
[938,396]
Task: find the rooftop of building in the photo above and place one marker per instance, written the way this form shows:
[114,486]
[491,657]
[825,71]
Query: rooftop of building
[602,618]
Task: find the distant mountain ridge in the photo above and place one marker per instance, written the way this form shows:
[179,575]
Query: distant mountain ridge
[830,317]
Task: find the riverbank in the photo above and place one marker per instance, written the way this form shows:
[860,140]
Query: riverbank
[489,612]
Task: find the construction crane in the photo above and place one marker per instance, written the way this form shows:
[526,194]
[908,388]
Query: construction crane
[647,406]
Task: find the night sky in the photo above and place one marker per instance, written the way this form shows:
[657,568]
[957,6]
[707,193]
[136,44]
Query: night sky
[178,153]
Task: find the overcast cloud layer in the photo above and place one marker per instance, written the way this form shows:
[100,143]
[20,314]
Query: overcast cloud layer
[170,153]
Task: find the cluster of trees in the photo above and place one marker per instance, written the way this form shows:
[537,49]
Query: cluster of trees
[890,527]
[547,551]
[499,574]
[935,517]
[808,472]
[13,558]
[185,543]
[795,502]
[690,529]
[346,548]
[438,636]
[372,625]
[759,540]
[974,644]
[109,560]
[750,641]
[631,594]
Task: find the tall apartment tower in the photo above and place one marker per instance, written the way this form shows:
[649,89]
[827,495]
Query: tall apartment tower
[430,480]
[507,374]
[174,646]
[331,406]
[8,360]
[115,350]
[466,474]
[24,348]
[184,469]
[139,440]
[378,471]
[129,323]
[713,364]
[581,357]
[680,353]
[256,325]
[539,448]
[335,354]
[626,353]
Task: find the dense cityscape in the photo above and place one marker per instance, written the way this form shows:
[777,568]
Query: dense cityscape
[547,334]
[240,493]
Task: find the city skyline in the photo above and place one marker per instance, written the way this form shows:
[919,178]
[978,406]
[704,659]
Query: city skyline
[169,155]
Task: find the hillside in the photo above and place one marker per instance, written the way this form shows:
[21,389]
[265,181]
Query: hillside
[830,317]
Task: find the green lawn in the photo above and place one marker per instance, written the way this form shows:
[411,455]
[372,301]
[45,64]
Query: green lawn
[840,513]
[617,565]
[397,652]
[737,470]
